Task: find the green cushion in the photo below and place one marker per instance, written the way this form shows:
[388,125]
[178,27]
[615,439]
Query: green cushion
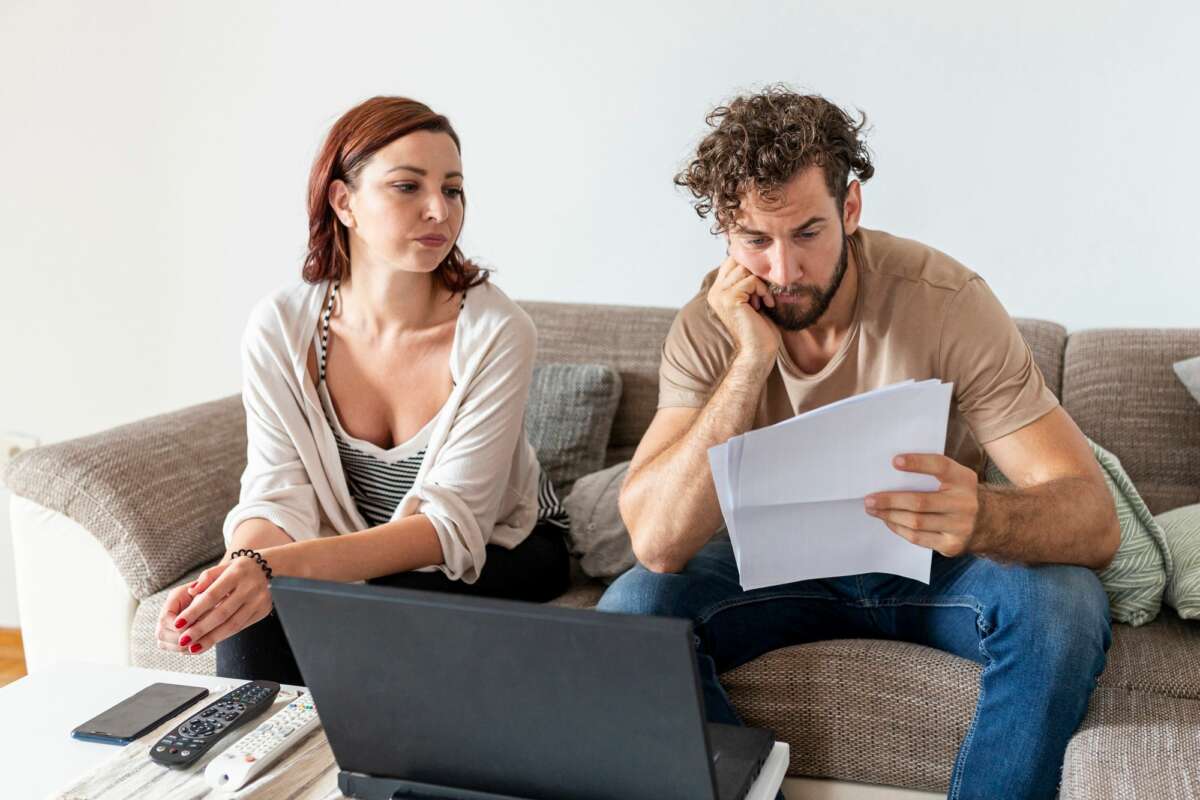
[1137,576]
[1182,529]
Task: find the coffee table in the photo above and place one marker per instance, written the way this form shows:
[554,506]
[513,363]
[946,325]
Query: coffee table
[38,756]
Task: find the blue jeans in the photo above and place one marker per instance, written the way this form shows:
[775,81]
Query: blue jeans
[1041,634]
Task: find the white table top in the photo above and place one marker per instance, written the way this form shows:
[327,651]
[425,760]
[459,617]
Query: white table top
[38,755]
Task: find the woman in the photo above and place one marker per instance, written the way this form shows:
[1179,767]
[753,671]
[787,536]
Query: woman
[385,399]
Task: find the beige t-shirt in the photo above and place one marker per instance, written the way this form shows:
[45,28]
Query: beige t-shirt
[919,314]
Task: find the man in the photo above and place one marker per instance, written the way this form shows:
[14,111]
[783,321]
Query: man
[809,308]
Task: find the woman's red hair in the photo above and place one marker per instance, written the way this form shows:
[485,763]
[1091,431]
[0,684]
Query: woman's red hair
[354,138]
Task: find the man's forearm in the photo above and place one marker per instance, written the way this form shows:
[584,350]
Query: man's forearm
[1065,521]
[669,503]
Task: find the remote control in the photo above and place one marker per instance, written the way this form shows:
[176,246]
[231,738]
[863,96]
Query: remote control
[260,748]
[196,736]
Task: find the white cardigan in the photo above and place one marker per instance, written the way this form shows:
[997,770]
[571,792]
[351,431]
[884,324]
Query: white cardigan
[478,481]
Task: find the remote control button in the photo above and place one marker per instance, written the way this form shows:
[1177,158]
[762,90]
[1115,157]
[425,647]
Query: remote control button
[159,749]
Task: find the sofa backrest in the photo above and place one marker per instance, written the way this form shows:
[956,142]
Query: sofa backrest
[1047,340]
[1121,389]
[1117,384]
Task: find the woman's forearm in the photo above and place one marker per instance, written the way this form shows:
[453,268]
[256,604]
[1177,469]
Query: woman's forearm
[398,546]
[257,533]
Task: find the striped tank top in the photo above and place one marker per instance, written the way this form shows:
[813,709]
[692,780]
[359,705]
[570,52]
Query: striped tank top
[378,479]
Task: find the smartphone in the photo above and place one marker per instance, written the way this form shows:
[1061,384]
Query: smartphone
[139,713]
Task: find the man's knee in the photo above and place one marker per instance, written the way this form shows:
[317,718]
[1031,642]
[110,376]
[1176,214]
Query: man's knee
[641,591]
[1060,616]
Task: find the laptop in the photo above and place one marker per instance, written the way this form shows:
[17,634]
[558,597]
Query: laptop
[431,695]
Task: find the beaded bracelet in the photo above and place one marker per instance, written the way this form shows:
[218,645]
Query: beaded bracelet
[262,562]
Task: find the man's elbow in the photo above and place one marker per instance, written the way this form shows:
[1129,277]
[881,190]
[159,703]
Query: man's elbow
[647,549]
[654,559]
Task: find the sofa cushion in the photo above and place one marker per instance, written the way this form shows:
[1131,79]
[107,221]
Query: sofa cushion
[861,709]
[584,591]
[154,493]
[1120,388]
[598,536]
[1159,657]
[894,713]
[1134,745]
[569,417]
[1181,526]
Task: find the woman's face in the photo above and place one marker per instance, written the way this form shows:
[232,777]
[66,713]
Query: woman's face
[405,210]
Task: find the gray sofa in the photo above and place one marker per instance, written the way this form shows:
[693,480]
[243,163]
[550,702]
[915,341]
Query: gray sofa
[153,494]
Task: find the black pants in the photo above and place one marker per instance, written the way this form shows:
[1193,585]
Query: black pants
[537,570]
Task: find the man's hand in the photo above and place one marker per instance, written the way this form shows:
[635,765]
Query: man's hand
[736,296]
[225,599]
[944,520]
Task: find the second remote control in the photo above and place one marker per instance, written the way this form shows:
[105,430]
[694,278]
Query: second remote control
[196,736]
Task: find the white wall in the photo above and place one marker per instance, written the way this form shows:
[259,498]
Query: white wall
[156,153]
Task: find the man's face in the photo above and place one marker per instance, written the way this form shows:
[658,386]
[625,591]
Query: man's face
[795,242]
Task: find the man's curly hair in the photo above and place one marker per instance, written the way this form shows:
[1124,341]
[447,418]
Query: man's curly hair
[762,140]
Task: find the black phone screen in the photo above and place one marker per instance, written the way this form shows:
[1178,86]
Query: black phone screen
[137,714]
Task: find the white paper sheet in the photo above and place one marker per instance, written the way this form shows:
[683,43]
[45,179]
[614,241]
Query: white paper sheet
[792,493]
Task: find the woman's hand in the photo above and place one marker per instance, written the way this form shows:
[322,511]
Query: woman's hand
[225,599]
[177,600]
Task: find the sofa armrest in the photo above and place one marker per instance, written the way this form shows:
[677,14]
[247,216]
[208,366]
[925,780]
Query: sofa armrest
[153,493]
[74,604]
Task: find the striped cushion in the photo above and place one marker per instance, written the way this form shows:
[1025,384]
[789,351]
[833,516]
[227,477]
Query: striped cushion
[1137,576]
[1182,529]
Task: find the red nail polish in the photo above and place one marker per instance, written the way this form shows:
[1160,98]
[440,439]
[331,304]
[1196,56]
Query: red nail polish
[180,622]
[183,640]
[195,648]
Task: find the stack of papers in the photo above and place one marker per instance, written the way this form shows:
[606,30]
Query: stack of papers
[792,494]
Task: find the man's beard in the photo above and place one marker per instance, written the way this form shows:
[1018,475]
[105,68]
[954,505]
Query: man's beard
[798,316]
